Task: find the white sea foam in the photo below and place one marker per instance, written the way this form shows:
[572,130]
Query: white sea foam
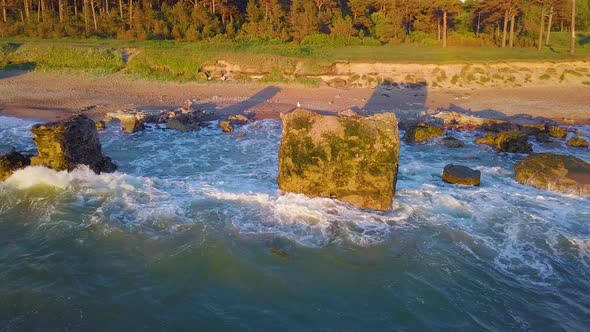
[309,221]
[166,177]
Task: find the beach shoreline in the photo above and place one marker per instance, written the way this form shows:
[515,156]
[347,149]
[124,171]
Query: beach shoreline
[50,96]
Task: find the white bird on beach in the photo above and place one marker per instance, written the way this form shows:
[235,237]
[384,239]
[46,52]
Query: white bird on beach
[298,104]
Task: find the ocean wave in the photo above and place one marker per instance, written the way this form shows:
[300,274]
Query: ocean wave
[315,222]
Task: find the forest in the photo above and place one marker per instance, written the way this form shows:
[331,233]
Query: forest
[501,23]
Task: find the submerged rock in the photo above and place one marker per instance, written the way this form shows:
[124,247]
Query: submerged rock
[12,162]
[543,137]
[578,142]
[66,144]
[554,172]
[422,133]
[452,142]
[507,141]
[350,158]
[556,131]
[458,174]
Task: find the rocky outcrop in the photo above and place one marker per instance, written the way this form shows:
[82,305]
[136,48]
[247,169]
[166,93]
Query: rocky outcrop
[456,120]
[422,133]
[554,172]
[458,174]
[237,119]
[452,142]
[532,129]
[507,141]
[226,126]
[67,144]
[12,162]
[182,119]
[233,120]
[578,142]
[100,125]
[131,121]
[347,157]
[182,123]
[556,131]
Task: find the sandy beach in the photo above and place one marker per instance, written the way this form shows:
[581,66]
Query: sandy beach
[51,96]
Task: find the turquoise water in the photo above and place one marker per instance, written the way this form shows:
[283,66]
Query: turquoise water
[192,234]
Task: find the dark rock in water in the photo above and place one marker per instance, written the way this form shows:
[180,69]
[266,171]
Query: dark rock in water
[556,131]
[578,142]
[554,172]
[100,125]
[532,129]
[543,137]
[458,174]
[422,133]
[177,123]
[350,158]
[11,162]
[66,144]
[507,141]
[226,126]
[501,126]
[452,142]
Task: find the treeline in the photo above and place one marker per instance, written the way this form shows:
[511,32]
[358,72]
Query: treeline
[505,23]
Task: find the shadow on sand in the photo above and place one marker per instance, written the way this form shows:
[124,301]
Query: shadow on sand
[10,69]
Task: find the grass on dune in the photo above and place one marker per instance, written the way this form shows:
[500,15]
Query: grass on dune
[180,61]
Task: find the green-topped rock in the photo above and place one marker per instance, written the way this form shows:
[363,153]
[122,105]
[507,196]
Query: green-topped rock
[556,131]
[422,133]
[507,141]
[347,157]
[554,172]
[578,142]
[11,162]
[66,144]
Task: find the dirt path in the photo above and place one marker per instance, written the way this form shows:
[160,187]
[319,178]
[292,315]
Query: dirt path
[51,96]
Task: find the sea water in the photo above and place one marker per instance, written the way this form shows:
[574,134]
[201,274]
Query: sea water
[192,233]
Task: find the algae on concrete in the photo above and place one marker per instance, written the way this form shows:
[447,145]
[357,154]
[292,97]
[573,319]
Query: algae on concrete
[347,157]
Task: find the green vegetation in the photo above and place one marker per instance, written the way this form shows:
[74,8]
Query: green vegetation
[182,61]
[505,23]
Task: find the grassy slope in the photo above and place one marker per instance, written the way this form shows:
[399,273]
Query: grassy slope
[169,60]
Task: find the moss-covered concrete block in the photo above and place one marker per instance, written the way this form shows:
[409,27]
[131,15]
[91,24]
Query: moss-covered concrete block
[66,144]
[347,157]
